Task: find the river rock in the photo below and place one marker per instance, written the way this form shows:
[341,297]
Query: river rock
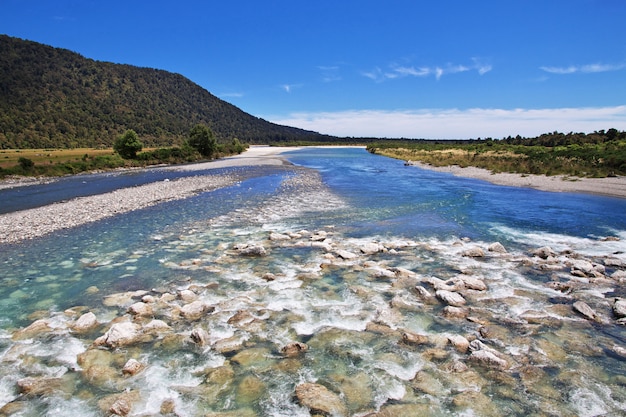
[459,342]
[42,386]
[141,309]
[119,404]
[250,389]
[473,283]
[619,308]
[199,336]
[544,252]
[581,267]
[425,295]
[156,327]
[187,296]
[274,236]
[132,367]
[319,236]
[228,345]
[405,410]
[452,312]
[371,248]
[33,330]
[497,247]
[195,310]
[120,334]
[320,400]
[294,349]
[451,298]
[474,252]
[252,356]
[346,255]
[411,338]
[85,323]
[487,358]
[584,309]
[619,275]
[251,250]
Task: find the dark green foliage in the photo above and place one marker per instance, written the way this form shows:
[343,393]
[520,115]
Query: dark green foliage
[128,145]
[201,139]
[597,154]
[25,163]
[55,98]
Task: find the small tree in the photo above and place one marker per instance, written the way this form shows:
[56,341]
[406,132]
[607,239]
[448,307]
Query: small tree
[201,139]
[25,163]
[128,145]
[238,147]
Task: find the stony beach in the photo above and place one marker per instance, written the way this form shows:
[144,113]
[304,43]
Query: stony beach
[613,186]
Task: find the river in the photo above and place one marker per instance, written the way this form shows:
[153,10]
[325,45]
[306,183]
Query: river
[328,253]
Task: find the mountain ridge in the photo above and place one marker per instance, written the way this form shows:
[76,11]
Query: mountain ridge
[56,98]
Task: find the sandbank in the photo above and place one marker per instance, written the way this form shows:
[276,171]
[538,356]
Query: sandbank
[611,186]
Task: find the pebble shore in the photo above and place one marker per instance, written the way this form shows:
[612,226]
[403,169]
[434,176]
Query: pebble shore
[32,223]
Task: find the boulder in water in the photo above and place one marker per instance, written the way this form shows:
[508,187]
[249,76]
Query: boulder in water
[132,367]
[619,308]
[121,334]
[294,349]
[451,298]
[85,323]
[584,309]
[497,247]
[320,400]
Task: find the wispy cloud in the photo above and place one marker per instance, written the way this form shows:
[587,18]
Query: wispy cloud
[232,95]
[457,124]
[398,71]
[585,69]
[329,73]
[288,88]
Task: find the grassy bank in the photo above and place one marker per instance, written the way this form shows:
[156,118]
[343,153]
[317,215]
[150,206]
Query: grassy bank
[583,160]
[59,162]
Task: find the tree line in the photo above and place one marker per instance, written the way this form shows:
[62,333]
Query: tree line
[54,98]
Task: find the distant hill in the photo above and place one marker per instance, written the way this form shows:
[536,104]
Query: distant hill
[52,97]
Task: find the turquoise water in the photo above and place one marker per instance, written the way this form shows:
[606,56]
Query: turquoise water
[559,363]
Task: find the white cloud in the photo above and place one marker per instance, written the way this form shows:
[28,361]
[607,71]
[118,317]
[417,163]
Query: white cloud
[398,71]
[329,73]
[288,88]
[457,124]
[585,69]
[235,95]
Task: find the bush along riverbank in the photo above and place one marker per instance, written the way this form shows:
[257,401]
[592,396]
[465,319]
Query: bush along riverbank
[599,154]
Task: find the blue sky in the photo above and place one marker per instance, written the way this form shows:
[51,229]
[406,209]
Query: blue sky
[394,68]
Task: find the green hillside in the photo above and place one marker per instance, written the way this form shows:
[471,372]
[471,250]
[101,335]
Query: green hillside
[55,98]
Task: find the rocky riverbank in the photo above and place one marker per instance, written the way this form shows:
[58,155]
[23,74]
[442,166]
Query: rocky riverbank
[28,224]
[316,323]
[612,186]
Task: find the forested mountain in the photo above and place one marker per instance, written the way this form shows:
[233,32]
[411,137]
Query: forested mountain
[52,97]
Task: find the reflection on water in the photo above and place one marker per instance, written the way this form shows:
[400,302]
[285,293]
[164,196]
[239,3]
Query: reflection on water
[348,263]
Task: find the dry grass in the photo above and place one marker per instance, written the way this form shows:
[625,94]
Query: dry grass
[9,157]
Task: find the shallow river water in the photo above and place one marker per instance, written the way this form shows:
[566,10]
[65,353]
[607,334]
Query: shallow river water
[333,271]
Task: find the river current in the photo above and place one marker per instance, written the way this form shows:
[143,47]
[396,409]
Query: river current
[329,253]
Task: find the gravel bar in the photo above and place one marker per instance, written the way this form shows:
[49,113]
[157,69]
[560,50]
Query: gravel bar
[28,224]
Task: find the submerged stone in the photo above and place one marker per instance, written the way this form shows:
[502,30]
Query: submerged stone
[294,349]
[320,399]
